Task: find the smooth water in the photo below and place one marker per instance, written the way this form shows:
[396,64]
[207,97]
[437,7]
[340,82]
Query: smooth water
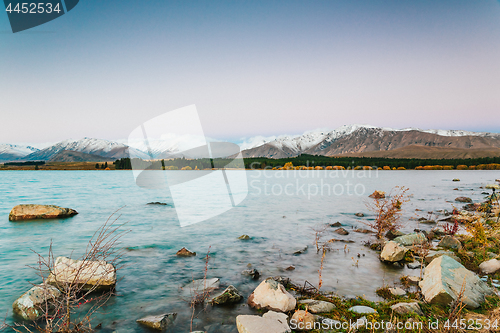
[278,213]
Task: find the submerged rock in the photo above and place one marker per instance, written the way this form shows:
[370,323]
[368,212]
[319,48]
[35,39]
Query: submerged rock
[157,203]
[490,266]
[270,322]
[185,253]
[31,212]
[159,322]
[405,308]
[443,281]
[273,296]
[301,251]
[393,252]
[450,242]
[230,295]
[315,306]
[87,275]
[411,239]
[202,285]
[32,304]
[359,215]
[463,199]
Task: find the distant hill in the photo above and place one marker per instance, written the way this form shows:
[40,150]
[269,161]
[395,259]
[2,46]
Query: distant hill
[107,149]
[10,152]
[364,140]
[423,152]
[75,156]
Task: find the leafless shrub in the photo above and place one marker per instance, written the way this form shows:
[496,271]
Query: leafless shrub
[82,292]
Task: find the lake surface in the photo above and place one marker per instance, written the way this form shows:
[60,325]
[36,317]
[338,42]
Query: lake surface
[279,213]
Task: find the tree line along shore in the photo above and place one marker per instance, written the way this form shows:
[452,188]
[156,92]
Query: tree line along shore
[302,162]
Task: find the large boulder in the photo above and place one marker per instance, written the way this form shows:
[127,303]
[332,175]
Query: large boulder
[32,212]
[270,322]
[158,322]
[33,304]
[86,275]
[450,242]
[393,252]
[490,266]
[411,239]
[445,278]
[229,295]
[273,296]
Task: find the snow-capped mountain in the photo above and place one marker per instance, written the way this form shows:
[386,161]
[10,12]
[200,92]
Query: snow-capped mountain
[103,148]
[10,152]
[363,138]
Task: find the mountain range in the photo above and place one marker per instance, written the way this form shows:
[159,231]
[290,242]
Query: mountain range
[351,140]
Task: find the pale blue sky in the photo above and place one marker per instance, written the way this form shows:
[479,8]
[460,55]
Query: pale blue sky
[252,67]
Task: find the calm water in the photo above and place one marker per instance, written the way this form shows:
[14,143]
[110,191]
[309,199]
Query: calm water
[278,223]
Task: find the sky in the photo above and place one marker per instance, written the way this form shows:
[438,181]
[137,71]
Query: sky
[252,68]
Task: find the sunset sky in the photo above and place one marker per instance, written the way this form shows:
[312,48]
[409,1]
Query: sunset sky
[252,67]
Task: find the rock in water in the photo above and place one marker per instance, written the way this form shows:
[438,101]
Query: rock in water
[302,320]
[160,322]
[273,296]
[157,203]
[443,281]
[411,239]
[315,306]
[377,195]
[230,295]
[450,242]
[32,212]
[270,322]
[359,214]
[244,237]
[336,224]
[490,266]
[253,273]
[185,253]
[342,231]
[463,199]
[404,308]
[493,187]
[87,275]
[202,285]
[32,304]
[393,252]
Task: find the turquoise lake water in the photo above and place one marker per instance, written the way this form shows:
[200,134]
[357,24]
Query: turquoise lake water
[278,213]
